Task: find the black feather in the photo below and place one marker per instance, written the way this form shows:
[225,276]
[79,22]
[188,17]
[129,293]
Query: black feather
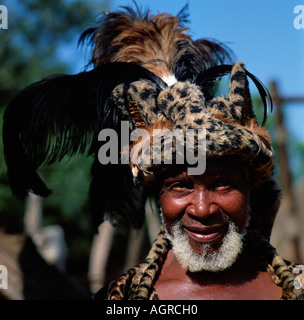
[115,197]
[196,56]
[264,94]
[60,116]
[209,77]
[183,14]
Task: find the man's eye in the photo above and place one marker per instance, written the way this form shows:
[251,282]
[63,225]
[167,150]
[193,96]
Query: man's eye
[180,185]
[222,184]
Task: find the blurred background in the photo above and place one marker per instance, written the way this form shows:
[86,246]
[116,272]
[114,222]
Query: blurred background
[49,245]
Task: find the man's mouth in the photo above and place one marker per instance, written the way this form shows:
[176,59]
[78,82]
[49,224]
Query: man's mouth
[207,234]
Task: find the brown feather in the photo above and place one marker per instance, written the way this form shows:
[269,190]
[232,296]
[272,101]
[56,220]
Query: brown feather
[143,40]
[158,43]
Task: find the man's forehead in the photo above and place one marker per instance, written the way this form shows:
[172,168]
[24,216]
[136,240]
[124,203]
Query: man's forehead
[222,165]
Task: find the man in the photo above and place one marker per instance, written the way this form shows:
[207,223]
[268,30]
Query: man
[206,219]
[214,242]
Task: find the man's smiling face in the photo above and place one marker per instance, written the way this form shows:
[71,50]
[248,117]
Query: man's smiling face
[205,216]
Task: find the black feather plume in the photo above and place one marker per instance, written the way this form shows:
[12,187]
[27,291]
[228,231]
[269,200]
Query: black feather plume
[209,77]
[195,57]
[115,197]
[264,94]
[60,116]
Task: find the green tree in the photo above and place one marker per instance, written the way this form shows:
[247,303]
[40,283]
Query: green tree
[39,30]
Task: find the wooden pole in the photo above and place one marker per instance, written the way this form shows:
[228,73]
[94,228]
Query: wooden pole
[284,169]
[100,252]
[33,215]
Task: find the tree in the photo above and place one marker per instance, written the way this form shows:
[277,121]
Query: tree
[39,30]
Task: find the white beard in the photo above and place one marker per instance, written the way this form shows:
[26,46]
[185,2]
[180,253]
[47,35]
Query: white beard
[209,259]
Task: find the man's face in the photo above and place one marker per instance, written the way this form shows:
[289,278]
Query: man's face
[205,215]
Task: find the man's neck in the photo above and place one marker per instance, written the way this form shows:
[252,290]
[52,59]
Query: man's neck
[244,280]
[245,267]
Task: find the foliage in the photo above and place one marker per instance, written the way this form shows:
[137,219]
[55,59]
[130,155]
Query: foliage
[38,31]
[11,210]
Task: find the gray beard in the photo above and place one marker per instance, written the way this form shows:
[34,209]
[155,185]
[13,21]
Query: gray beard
[209,259]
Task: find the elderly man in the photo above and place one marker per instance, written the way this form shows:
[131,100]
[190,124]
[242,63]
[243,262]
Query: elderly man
[214,241]
[206,219]
[216,223]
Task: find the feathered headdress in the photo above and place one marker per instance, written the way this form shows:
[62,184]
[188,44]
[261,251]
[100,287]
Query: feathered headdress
[139,61]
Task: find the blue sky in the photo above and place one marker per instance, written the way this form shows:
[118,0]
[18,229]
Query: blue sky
[261,34]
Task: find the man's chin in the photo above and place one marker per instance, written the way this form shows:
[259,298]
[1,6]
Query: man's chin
[206,256]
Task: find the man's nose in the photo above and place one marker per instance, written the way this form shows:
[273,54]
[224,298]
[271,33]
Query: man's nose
[202,205]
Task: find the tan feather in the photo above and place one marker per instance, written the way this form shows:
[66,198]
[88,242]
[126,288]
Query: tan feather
[149,41]
[158,43]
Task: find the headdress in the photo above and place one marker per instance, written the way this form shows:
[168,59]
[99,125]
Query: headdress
[146,70]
